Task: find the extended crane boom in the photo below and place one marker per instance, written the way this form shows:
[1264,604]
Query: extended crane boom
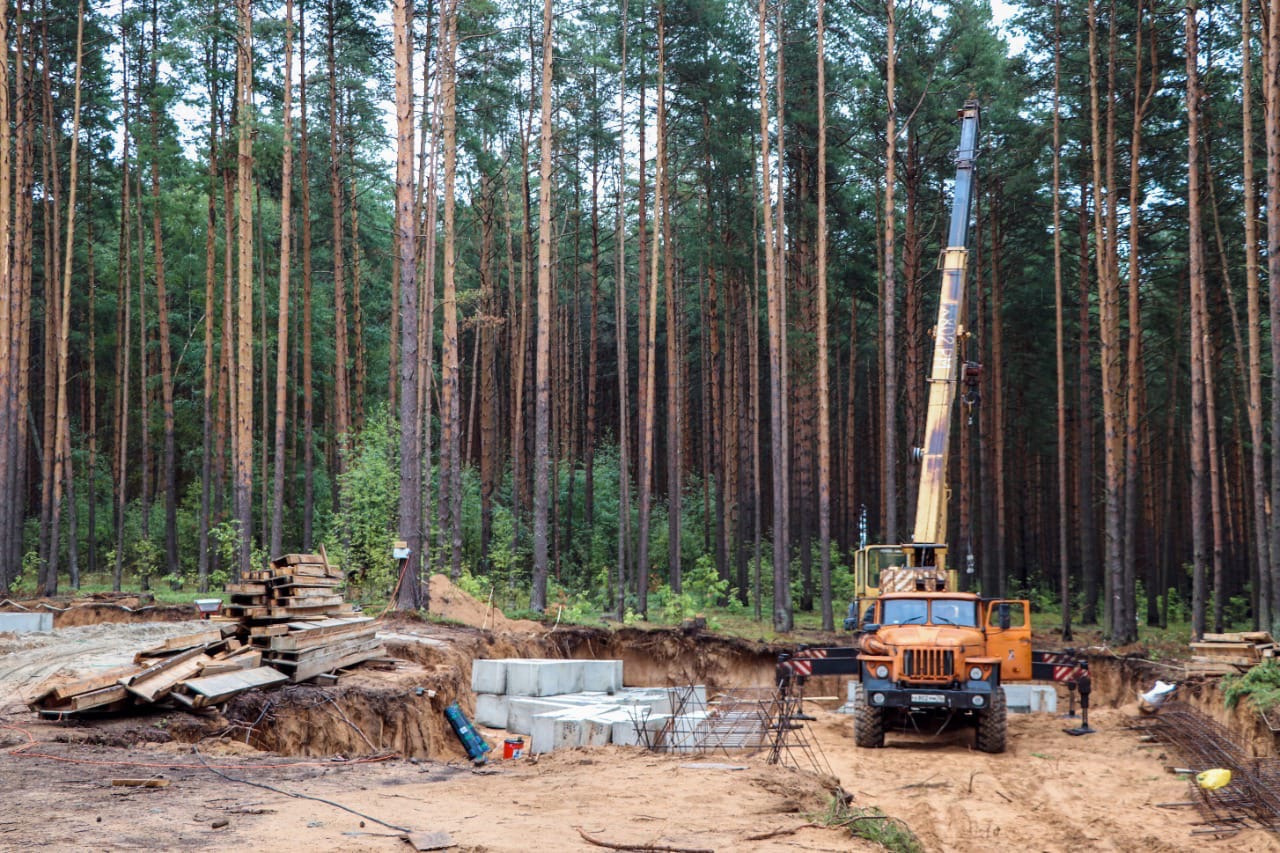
[921,563]
[928,539]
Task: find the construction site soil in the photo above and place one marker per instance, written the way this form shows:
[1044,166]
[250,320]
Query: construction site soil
[376,751]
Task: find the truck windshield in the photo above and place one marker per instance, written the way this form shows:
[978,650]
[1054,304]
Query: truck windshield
[955,611]
[905,611]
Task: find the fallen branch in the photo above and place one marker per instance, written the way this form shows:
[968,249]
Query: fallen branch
[780,832]
[646,848]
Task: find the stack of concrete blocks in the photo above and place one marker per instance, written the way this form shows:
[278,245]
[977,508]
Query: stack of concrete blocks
[567,703]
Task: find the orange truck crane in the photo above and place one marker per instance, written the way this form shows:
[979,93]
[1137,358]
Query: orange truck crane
[924,648]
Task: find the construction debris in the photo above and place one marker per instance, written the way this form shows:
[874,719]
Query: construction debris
[1251,797]
[286,624]
[1230,654]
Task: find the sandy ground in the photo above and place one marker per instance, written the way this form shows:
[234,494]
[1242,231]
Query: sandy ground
[29,660]
[1049,792]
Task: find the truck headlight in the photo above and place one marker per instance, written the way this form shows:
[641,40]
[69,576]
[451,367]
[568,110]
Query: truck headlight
[976,673]
[877,698]
[979,701]
[882,671]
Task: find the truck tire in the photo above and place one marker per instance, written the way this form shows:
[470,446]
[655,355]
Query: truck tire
[868,722]
[992,725]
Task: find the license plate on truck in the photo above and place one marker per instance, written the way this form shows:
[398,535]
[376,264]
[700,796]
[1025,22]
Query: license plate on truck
[928,699]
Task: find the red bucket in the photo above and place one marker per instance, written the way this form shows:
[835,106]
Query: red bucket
[513,747]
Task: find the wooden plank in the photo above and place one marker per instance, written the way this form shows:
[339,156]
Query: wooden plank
[177,644]
[109,678]
[153,682]
[215,689]
[140,783]
[93,699]
[246,588]
[310,601]
[1223,648]
[293,559]
[252,660]
[1235,637]
[429,840]
[301,635]
[290,581]
[311,669]
[1232,660]
[329,647]
[268,630]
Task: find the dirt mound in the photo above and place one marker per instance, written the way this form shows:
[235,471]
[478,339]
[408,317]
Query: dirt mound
[450,601]
[103,607]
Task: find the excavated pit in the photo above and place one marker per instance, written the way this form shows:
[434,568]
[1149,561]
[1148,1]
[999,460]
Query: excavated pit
[372,712]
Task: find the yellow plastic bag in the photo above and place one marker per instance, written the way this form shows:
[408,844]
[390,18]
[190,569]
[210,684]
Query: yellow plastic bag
[1212,780]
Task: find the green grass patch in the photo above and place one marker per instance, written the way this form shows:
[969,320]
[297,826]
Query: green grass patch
[872,825]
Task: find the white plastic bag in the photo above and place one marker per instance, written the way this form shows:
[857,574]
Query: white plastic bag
[1151,701]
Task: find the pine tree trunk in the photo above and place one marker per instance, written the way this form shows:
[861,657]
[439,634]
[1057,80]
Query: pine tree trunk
[620,331]
[308,393]
[824,380]
[411,591]
[282,311]
[1271,95]
[450,390]
[1064,517]
[542,401]
[123,317]
[341,381]
[781,580]
[674,385]
[1199,462]
[1258,469]
[889,419]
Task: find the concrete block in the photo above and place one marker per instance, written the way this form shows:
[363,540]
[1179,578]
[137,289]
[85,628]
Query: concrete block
[489,676]
[1031,698]
[522,709]
[570,727]
[492,710]
[656,699]
[627,731]
[602,675]
[537,677]
[26,623]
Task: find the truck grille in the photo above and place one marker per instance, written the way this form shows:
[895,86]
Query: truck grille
[928,664]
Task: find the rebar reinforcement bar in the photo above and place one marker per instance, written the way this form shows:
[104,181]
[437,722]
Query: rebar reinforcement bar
[1252,798]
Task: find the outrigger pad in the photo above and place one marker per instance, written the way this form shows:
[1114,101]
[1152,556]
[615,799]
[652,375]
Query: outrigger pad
[1081,730]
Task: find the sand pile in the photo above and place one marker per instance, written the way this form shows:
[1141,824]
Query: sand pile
[450,601]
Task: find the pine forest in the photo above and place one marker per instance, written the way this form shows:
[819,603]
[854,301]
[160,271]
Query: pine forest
[628,307]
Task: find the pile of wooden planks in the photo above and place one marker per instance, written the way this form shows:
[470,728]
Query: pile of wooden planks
[178,670]
[308,649]
[286,624]
[296,586]
[1223,654]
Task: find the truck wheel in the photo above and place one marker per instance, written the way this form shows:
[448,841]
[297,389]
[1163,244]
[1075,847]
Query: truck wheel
[992,725]
[868,722]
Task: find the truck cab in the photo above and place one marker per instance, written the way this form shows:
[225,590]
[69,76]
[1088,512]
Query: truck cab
[940,653]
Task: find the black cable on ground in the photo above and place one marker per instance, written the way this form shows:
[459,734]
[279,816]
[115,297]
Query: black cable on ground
[267,787]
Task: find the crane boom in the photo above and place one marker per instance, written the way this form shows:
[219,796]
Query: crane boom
[931,505]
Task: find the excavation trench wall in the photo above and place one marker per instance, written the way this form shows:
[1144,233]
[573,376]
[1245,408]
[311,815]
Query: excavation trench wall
[1117,683]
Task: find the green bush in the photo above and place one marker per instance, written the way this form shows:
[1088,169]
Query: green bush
[1261,683]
